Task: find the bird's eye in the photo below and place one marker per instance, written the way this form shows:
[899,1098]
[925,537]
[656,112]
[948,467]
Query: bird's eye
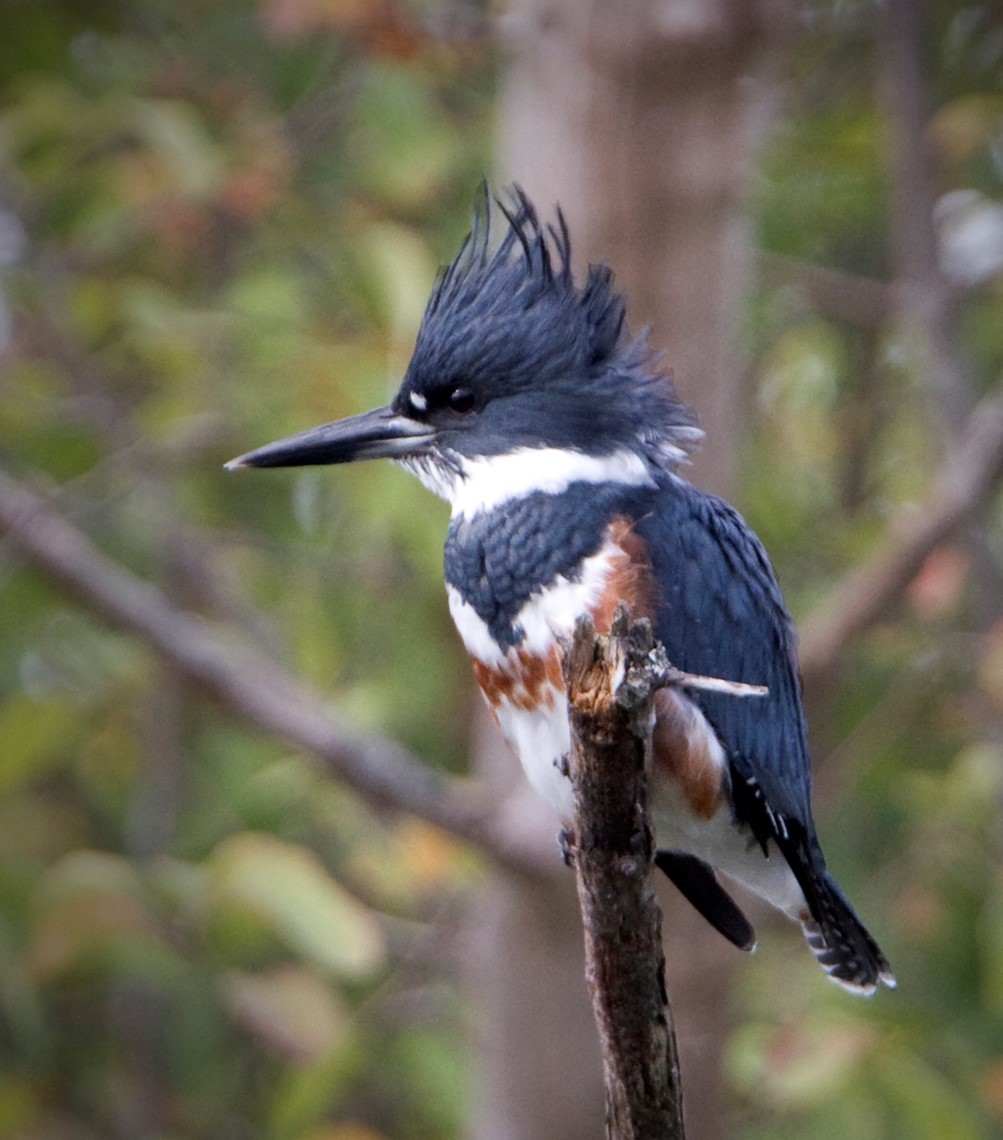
[461,400]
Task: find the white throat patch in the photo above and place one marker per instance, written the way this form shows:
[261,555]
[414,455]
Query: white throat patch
[472,486]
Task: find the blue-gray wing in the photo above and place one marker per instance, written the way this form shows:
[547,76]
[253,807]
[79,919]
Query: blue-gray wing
[721,614]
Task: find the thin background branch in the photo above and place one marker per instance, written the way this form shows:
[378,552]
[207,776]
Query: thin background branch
[246,681]
[963,487]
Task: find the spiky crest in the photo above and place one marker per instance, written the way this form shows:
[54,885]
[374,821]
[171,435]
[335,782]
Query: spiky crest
[506,319]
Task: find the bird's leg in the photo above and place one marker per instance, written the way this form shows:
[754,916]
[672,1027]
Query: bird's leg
[566,838]
[568,844]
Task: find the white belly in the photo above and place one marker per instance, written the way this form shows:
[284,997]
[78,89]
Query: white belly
[541,739]
[726,848]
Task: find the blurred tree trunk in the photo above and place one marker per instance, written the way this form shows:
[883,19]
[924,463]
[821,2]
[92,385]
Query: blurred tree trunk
[641,119]
[929,306]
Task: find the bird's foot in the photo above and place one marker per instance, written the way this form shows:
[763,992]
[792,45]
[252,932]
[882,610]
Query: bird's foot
[568,845]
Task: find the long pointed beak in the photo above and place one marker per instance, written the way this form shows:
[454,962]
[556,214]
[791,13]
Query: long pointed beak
[379,434]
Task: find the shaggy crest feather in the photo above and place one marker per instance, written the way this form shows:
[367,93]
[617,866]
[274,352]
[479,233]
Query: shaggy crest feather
[507,316]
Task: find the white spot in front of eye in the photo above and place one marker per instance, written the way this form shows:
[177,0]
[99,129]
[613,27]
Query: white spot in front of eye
[418,401]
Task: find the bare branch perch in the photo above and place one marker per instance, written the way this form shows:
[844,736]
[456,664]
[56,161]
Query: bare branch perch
[248,683]
[611,683]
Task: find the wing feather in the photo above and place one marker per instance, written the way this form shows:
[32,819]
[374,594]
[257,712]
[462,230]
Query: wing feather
[721,614]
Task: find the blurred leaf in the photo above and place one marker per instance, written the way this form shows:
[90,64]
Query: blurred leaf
[345,1131]
[35,733]
[88,904]
[993,1084]
[173,131]
[18,1105]
[306,1092]
[433,1080]
[38,827]
[400,865]
[289,1008]
[288,886]
[964,126]
[401,270]
[403,155]
[990,665]
[924,1105]
[799,1065]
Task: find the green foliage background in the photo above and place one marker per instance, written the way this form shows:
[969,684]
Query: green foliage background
[219,222]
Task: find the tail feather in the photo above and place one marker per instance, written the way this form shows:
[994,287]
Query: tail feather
[697,882]
[840,941]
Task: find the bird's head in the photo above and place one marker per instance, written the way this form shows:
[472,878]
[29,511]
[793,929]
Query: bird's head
[513,359]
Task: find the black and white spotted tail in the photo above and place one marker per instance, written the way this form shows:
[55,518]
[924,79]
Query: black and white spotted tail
[840,942]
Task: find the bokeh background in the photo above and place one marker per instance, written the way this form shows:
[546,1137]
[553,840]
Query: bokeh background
[219,222]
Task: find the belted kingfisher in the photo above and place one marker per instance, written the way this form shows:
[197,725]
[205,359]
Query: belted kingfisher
[558,442]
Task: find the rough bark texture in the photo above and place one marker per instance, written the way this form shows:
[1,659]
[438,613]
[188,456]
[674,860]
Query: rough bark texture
[613,849]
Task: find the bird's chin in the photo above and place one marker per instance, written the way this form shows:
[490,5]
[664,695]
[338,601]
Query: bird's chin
[435,470]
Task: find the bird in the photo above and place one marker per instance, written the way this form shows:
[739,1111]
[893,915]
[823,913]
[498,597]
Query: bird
[560,443]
